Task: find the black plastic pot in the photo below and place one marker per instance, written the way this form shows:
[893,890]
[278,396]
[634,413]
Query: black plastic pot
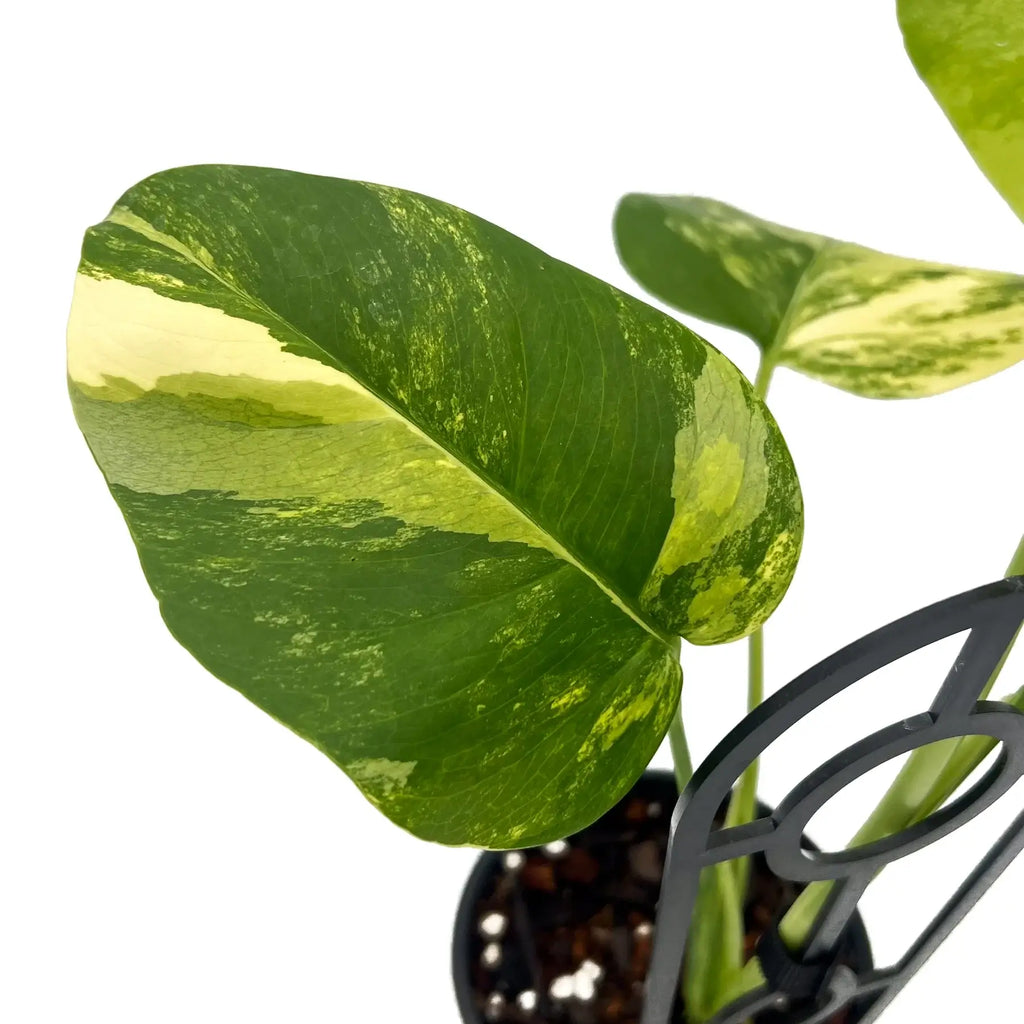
[655,788]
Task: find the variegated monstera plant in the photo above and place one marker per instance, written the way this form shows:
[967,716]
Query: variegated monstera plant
[445,506]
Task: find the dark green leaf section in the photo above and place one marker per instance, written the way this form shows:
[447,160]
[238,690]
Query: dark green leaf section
[448,318]
[480,646]
[876,325]
[431,498]
[479,693]
[970,53]
[714,261]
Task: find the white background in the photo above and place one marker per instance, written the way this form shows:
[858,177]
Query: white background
[169,853]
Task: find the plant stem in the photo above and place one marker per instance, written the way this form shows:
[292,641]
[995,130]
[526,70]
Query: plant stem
[763,379]
[743,803]
[926,781]
[681,761]
[965,754]
[931,775]
[716,946]
[714,951]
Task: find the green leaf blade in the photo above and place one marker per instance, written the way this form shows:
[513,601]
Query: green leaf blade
[404,481]
[370,676]
[876,325]
[970,54]
[707,258]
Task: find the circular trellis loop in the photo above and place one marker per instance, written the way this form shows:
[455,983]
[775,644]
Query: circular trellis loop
[784,852]
[993,614]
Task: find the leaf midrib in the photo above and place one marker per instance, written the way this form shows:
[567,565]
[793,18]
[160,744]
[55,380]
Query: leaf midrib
[140,226]
[775,348]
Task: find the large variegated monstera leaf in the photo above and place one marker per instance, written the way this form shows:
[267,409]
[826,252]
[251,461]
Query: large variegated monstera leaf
[876,325]
[970,53]
[436,501]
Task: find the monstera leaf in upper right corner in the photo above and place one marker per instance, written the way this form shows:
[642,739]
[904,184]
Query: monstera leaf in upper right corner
[877,325]
[970,53]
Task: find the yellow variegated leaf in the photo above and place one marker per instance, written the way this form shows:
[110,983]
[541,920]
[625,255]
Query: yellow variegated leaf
[877,325]
[970,53]
[433,499]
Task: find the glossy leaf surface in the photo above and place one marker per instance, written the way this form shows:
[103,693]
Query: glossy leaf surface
[870,323]
[970,53]
[433,499]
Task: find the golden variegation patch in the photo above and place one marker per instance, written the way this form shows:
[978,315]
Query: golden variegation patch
[379,777]
[970,53]
[874,324]
[888,327]
[126,333]
[720,487]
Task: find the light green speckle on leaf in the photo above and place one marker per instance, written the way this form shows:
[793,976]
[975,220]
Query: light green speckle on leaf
[402,479]
[970,53]
[870,323]
[378,776]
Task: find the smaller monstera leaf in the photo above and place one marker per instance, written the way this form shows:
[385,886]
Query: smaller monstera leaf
[970,53]
[876,325]
[437,502]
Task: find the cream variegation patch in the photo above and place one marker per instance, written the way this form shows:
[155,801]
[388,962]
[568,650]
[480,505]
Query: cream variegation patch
[871,323]
[126,335]
[380,777]
[890,327]
[123,331]
[638,699]
[720,483]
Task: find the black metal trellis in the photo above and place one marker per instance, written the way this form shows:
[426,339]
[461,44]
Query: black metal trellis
[810,986]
